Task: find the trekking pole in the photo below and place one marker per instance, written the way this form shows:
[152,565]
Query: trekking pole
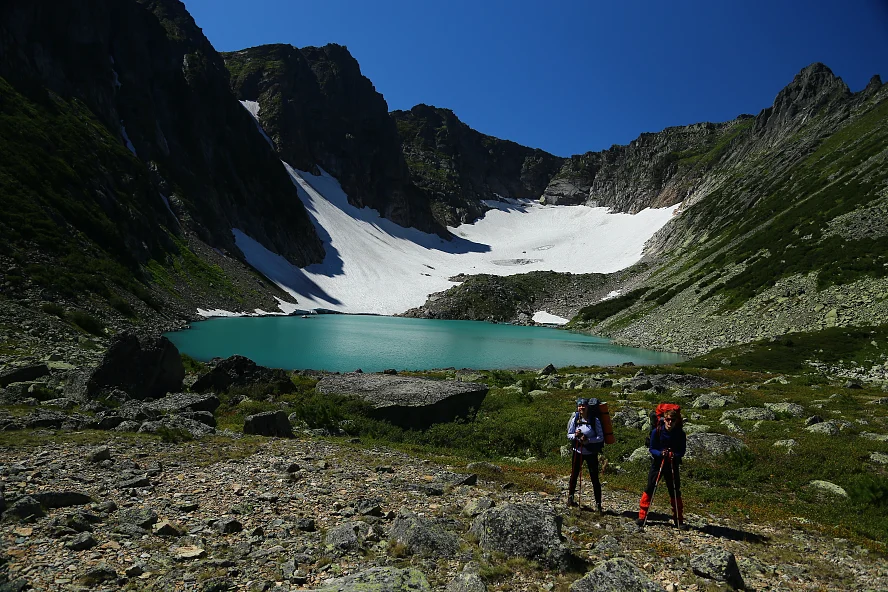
[580,486]
[657,482]
[675,490]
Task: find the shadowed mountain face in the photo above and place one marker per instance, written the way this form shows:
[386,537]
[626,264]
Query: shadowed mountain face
[459,167]
[319,110]
[120,135]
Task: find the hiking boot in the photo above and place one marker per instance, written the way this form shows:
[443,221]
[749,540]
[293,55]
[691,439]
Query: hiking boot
[570,502]
[640,522]
[599,509]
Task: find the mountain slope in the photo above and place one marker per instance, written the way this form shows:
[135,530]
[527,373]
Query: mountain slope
[319,110]
[123,146]
[459,167]
[781,227]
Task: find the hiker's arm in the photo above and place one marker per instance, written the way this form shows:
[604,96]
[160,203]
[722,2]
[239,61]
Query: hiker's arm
[655,444]
[572,428]
[596,435]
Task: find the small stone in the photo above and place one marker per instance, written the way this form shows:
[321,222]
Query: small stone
[166,528]
[188,552]
[228,525]
[99,454]
[81,542]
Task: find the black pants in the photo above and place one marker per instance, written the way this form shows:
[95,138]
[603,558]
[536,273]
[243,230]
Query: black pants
[592,465]
[670,468]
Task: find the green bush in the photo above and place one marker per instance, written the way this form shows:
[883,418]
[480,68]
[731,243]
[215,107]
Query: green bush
[122,306]
[174,435]
[869,490]
[87,322]
[54,309]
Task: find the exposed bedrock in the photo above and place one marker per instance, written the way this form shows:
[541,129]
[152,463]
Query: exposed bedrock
[407,401]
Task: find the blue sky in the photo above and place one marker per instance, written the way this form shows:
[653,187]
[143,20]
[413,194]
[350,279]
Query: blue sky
[577,75]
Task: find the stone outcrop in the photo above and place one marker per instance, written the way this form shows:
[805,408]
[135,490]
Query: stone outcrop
[459,168]
[239,371]
[615,575]
[708,444]
[421,536]
[523,530]
[380,579]
[269,423]
[142,367]
[720,565]
[407,401]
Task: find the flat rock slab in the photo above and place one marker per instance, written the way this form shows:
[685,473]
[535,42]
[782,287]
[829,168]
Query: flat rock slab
[408,401]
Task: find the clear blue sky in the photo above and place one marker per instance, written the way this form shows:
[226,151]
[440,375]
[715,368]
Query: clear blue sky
[576,75]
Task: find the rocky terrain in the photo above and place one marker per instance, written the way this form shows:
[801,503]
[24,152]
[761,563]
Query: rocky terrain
[305,513]
[128,473]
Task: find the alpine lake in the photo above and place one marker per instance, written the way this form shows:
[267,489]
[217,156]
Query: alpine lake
[345,343]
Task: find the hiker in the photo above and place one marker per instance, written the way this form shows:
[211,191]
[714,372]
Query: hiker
[668,443]
[587,439]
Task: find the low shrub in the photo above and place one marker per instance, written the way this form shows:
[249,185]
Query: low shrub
[54,309]
[87,322]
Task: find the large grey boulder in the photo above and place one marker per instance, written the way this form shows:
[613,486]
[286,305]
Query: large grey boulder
[637,419]
[750,414]
[184,402]
[23,374]
[346,537]
[830,428]
[143,367]
[407,401]
[615,575]
[379,579]
[269,423]
[792,409]
[423,536]
[466,581]
[720,565]
[523,530]
[828,488]
[241,371]
[196,429]
[713,401]
[708,444]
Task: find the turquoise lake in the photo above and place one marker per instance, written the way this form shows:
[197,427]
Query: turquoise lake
[344,343]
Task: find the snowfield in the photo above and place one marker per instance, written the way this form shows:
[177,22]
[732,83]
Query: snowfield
[375,266]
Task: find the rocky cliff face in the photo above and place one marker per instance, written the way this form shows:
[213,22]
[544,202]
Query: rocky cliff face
[144,73]
[781,227]
[319,110]
[459,167]
[687,163]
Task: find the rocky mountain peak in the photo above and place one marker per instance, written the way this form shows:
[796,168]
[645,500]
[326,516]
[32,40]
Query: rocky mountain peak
[320,110]
[811,90]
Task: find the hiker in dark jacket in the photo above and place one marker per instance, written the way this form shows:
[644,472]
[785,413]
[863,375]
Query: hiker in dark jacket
[587,439]
[667,447]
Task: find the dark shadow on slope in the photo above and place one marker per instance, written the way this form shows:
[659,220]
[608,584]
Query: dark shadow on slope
[661,520]
[456,245]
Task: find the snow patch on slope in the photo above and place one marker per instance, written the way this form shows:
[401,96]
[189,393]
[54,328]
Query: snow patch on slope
[375,266]
[253,108]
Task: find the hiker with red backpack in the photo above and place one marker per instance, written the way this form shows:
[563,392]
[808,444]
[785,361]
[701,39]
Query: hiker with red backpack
[667,446]
[586,435]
